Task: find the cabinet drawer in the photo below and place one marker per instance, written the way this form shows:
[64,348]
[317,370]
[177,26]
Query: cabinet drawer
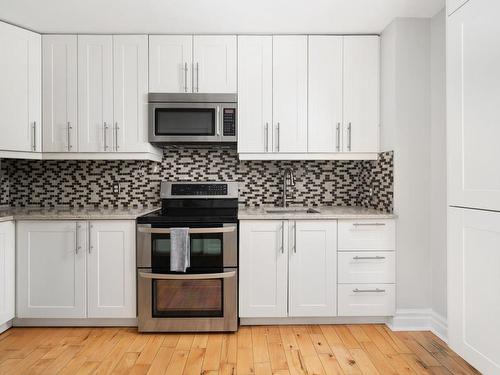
[367,235]
[366,299]
[362,267]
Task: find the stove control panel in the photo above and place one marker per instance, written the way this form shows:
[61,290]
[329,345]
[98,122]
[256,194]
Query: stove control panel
[199,189]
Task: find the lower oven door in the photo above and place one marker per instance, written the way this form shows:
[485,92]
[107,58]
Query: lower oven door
[187,302]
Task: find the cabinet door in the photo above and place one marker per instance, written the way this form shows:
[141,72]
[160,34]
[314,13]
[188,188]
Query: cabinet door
[453,5]
[325,94]
[255,90]
[20,89]
[290,93]
[170,63]
[214,64]
[130,82]
[95,93]
[59,93]
[473,92]
[7,272]
[51,269]
[313,268]
[361,93]
[474,287]
[263,268]
[111,270]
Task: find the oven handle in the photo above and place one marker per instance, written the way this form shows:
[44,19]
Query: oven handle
[201,276]
[191,230]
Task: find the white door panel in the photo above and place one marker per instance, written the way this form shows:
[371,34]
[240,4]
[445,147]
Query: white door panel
[7,271]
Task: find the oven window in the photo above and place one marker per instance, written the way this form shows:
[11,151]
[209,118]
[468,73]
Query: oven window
[206,251]
[187,298]
[185,121]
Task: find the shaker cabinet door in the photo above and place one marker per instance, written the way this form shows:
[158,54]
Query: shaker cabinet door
[263,268]
[255,93]
[7,272]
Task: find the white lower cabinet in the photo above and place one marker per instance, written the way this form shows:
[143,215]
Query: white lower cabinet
[298,269]
[51,269]
[263,268]
[312,268]
[111,264]
[287,268]
[76,269]
[7,272]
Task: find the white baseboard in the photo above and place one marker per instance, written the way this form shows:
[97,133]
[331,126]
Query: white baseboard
[4,327]
[90,322]
[420,320]
[314,320]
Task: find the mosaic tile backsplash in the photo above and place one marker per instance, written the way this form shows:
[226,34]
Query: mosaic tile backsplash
[90,183]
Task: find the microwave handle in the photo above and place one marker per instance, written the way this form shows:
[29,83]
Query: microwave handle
[191,230]
[217,125]
[200,276]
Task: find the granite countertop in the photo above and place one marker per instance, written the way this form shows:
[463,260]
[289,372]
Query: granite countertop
[68,213]
[324,212]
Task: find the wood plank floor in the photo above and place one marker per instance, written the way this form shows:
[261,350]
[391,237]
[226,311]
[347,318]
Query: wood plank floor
[283,350]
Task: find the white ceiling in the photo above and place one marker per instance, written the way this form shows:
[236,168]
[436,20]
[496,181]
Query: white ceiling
[212,16]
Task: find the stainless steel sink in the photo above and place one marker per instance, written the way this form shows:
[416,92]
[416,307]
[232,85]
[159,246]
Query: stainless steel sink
[292,210]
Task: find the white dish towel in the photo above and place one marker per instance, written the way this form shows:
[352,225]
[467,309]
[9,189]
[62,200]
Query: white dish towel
[180,249]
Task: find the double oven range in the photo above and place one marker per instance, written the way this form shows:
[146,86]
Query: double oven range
[205,297]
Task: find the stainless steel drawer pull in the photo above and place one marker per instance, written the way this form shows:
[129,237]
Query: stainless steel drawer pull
[338,137]
[117,146]
[368,224]
[69,136]
[34,136]
[201,276]
[266,129]
[349,133]
[191,231]
[361,258]
[105,131]
[282,238]
[377,290]
[185,77]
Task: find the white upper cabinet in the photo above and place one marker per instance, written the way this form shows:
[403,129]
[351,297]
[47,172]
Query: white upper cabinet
[51,269]
[325,93]
[361,93]
[214,64]
[473,115]
[313,268]
[7,271]
[255,93]
[170,63]
[263,268]
[290,93]
[95,93]
[111,269]
[130,69]
[20,89]
[59,62]
[453,5]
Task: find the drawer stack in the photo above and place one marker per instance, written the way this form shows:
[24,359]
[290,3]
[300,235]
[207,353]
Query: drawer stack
[366,267]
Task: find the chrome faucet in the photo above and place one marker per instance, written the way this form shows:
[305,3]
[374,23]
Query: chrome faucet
[288,180]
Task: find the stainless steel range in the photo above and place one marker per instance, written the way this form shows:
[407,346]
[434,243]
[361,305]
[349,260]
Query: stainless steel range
[205,297]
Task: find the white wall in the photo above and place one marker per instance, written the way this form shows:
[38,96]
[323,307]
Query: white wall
[438,164]
[406,129]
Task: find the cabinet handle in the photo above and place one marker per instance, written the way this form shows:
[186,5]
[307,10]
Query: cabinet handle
[377,290]
[368,224]
[69,136]
[77,245]
[185,77]
[295,237]
[266,129]
[33,136]
[217,120]
[282,238]
[349,131]
[197,77]
[338,137]
[105,128]
[90,244]
[362,258]
[278,137]
[116,136]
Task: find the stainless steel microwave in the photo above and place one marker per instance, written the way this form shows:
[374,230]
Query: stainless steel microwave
[192,118]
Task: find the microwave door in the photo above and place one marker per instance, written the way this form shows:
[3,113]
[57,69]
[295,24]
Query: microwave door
[184,122]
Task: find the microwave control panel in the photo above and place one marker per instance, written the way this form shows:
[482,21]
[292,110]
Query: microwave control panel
[229,122]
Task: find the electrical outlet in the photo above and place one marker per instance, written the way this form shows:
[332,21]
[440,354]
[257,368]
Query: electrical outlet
[116,187]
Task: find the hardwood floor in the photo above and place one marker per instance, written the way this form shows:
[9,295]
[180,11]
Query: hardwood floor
[283,350]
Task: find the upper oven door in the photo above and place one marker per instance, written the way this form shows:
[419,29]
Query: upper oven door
[212,246]
[184,122]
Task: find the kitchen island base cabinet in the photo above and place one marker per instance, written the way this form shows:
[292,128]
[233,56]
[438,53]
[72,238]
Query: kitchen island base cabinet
[7,272]
[76,269]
